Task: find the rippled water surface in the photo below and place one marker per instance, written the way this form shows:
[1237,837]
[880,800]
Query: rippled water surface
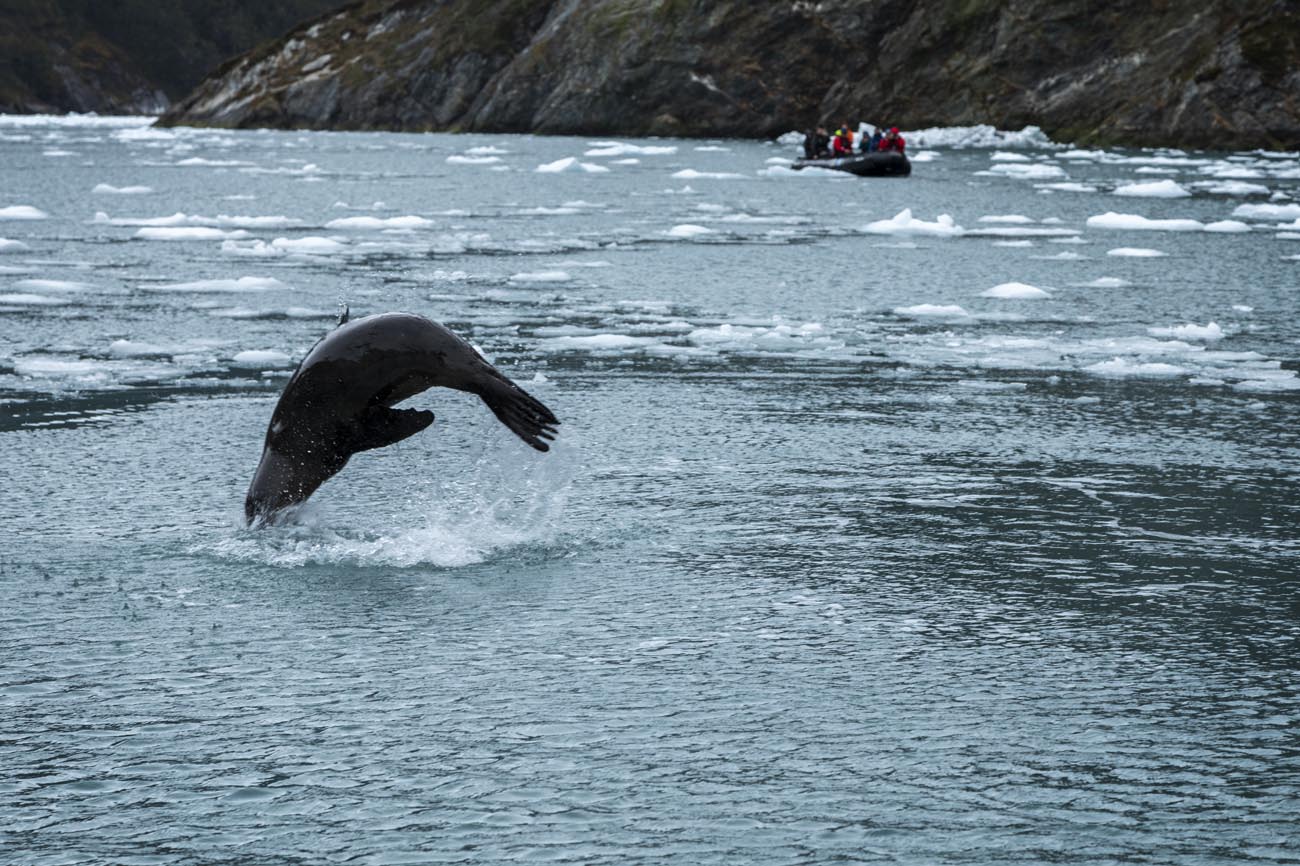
[848,551]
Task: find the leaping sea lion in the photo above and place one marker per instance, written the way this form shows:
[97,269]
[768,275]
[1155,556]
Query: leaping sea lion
[339,401]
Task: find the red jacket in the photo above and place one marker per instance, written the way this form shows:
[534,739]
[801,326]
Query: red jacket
[897,144]
[842,145]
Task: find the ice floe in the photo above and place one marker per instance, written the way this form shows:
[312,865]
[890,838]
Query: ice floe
[687,230]
[1026,171]
[570,163]
[473,160]
[1267,211]
[31,299]
[1155,189]
[188,233]
[1018,291]
[109,189]
[692,174]
[926,311]
[22,212]
[1209,332]
[1134,222]
[903,224]
[240,284]
[618,148]
[981,136]
[541,277]
[379,223]
[1135,253]
[261,359]
[7,245]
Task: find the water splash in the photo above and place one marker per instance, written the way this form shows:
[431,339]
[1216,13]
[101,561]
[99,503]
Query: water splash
[507,499]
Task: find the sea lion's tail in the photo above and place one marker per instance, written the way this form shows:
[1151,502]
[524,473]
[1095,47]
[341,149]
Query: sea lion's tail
[517,409]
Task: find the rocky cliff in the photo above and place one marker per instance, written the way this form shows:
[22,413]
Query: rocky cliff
[1222,73]
[127,56]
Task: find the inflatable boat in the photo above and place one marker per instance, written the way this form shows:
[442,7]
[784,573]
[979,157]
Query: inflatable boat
[888,164]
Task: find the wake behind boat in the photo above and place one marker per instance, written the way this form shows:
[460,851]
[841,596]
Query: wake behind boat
[889,164]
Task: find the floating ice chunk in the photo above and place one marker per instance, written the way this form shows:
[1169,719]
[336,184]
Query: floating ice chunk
[1208,333]
[618,148]
[1268,211]
[109,189]
[1027,171]
[686,230]
[30,299]
[487,149]
[596,343]
[711,148]
[924,156]
[1066,256]
[473,160]
[1151,169]
[631,160]
[1013,243]
[359,223]
[1122,367]
[255,249]
[1231,187]
[923,311]
[1242,308]
[570,163]
[1069,186]
[1082,154]
[313,245]
[779,160]
[1155,189]
[566,164]
[1134,222]
[1227,227]
[11,246]
[982,135]
[188,233]
[904,224]
[1018,291]
[541,277]
[55,285]
[1006,218]
[1135,253]
[145,133]
[217,163]
[1023,231]
[1108,283]
[242,284]
[22,212]
[692,174]
[1009,156]
[261,359]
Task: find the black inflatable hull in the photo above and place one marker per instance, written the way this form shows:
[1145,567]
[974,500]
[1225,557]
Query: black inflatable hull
[890,164]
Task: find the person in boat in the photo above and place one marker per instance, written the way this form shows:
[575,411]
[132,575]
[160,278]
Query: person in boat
[810,143]
[842,143]
[871,145]
[892,141]
[821,144]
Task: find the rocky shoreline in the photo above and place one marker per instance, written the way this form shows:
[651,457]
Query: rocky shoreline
[1178,73]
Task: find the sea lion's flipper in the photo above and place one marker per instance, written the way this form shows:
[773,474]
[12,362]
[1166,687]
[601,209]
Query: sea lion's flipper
[517,409]
[381,426]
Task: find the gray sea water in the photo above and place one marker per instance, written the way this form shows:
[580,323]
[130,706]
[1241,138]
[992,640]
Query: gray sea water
[837,559]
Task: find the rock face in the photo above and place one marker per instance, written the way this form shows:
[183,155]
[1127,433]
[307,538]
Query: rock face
[126,56]
[1206,73]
